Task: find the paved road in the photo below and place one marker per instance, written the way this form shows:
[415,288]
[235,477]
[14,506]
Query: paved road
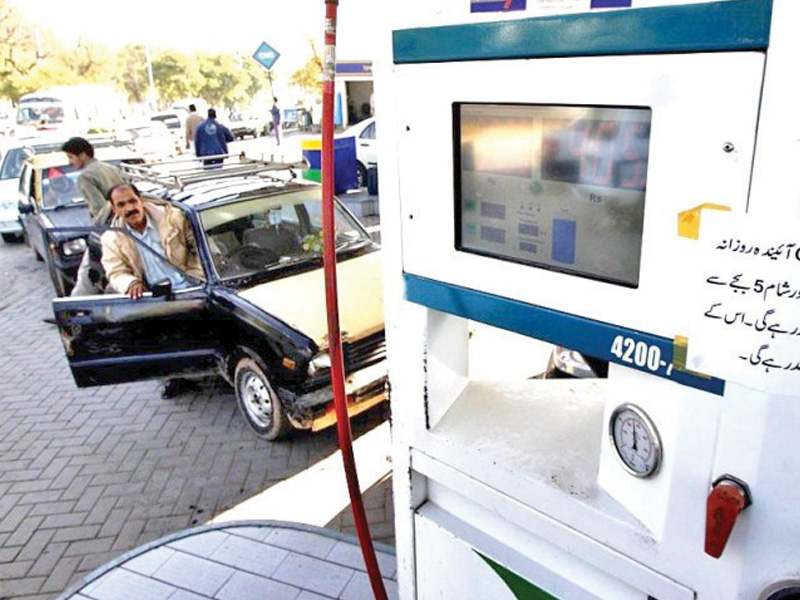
[86,475]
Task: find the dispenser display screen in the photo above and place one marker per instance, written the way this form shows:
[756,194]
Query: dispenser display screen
[557,187]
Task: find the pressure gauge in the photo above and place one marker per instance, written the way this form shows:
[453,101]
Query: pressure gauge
[635,440]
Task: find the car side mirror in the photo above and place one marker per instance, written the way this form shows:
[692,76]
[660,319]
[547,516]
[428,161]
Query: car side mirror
[25,208]
[162,289]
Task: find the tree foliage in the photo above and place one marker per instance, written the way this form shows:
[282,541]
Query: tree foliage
[309,78]
[31,59]
[17,50]
[131,72]
[176,76]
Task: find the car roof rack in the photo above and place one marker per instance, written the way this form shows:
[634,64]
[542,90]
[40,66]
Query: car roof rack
[179,172]
[97,140]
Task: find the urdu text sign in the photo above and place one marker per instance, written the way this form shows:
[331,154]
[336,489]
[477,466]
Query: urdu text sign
[744,313]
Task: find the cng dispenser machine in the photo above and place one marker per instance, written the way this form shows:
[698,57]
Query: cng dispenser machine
[555,176]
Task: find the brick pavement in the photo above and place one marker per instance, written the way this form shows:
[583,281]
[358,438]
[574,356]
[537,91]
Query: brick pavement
[86,475]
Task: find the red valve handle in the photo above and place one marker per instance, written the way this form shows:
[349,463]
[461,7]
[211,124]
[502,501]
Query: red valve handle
[727,499]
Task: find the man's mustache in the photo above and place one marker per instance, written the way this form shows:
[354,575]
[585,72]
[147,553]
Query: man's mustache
[131,213]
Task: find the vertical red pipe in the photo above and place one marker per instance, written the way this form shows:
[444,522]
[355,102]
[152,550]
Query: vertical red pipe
[331,297]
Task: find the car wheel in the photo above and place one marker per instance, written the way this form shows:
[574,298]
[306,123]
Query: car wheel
[258,402]
[362,175]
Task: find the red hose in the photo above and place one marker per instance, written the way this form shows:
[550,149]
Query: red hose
[331,297]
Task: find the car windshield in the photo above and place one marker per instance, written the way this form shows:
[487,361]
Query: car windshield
[60,187]
[255,235]
[32,113]
[12,165]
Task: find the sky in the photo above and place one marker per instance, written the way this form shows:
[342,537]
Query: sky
[226,26]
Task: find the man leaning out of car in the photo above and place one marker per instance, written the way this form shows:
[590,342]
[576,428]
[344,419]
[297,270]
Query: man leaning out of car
[163,228]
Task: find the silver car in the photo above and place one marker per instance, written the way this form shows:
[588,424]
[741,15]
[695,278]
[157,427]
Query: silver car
[13,152]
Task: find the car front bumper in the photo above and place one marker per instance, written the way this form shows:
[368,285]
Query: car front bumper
[315,410]
[10,226]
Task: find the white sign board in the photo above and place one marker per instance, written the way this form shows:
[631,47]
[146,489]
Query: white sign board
[744,302]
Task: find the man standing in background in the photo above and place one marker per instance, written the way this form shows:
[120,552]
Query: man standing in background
[276,120]
[95,182]
[192,123]
[211,139]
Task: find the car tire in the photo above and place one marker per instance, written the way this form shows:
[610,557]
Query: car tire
[362,175]
[258,402]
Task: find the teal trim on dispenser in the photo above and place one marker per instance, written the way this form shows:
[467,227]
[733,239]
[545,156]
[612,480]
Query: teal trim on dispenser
[732,25]
[593,338]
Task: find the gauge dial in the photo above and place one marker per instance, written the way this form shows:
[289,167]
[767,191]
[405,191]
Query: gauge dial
[635,440]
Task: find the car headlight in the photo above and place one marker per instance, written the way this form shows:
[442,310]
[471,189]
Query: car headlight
[73,247]
[319,362]
[572,362]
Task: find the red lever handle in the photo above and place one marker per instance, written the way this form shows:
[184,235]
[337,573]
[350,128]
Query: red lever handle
[729,496]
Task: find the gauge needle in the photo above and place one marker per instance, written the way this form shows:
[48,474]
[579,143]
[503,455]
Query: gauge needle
[635,448]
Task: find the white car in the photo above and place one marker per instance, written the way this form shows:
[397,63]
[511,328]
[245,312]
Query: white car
[12,156]
[152,140]
[366,146]
[175,121]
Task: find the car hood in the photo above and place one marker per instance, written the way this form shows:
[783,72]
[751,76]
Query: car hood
[299,300]
[68,216]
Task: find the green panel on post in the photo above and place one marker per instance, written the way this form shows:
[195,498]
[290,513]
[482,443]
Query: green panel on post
[521,588]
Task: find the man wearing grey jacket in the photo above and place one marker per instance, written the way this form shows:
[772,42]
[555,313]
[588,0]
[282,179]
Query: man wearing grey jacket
[95,182]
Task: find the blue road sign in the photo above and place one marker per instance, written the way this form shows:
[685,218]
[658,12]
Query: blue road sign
[266,55]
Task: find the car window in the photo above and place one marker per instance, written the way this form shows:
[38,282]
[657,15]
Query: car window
[258,234]
[12,165]
[156,266]
[60,187]
[369,132]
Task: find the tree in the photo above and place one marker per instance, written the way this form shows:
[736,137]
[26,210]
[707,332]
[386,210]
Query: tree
[229,80]
[309,78]
[256,75]
[176,75]
[17,50]
[131,72]
[31,60]
[90,62]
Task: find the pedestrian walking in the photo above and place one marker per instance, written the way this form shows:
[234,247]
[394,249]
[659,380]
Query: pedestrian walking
[192,123]
[211,139]
[95,182]
[276,120]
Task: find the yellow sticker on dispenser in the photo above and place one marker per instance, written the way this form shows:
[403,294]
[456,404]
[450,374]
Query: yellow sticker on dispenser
[689,220]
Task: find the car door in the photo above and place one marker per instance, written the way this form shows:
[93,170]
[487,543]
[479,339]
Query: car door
[367,142]
[27,208]
[109,338]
